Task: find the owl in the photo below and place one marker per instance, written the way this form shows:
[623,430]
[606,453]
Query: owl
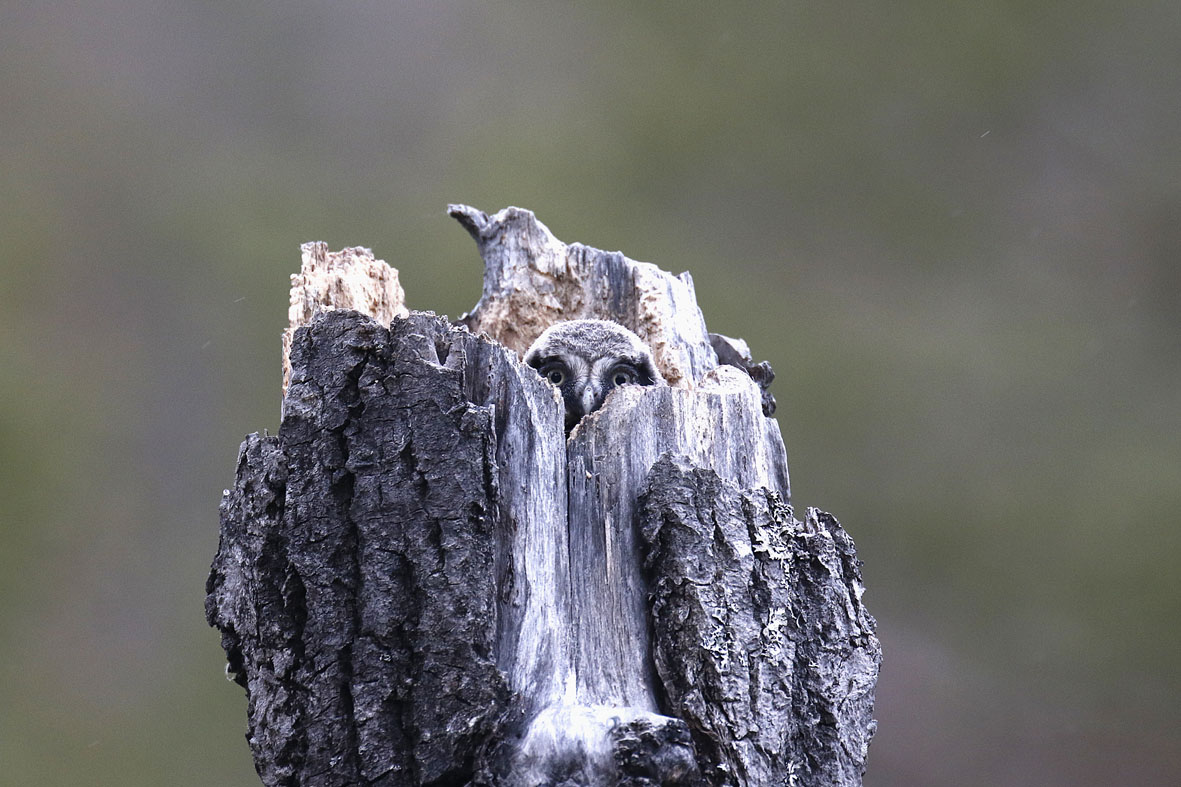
[587,359]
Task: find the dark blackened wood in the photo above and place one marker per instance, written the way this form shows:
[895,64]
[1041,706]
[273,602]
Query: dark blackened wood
[760,638]
[421,581]
[357,579]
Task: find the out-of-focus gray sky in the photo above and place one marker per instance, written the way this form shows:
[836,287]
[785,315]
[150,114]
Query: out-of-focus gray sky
[954,230]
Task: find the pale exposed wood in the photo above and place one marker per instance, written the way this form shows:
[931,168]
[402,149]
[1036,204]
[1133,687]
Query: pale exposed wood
[533,280]
[347,279]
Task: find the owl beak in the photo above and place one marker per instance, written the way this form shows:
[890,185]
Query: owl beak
[590,399]
[582,401]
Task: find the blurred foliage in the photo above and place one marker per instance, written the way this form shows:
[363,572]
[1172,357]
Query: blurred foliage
[953,228]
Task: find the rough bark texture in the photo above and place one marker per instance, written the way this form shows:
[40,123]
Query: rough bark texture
[761,641]
[357,579]
[421,581]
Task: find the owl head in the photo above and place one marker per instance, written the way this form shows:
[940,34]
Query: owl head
[587,359]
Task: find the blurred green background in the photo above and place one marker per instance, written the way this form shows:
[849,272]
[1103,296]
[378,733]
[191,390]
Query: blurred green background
[954,228]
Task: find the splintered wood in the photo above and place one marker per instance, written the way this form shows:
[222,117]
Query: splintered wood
[533,280]
[347,279]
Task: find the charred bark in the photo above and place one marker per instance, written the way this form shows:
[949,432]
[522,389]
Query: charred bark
[422,581]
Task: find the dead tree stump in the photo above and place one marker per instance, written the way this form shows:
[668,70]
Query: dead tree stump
[422,581]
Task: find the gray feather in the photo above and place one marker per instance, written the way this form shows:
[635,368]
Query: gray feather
[587,359]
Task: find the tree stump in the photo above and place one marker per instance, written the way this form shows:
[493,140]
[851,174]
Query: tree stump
[421,580]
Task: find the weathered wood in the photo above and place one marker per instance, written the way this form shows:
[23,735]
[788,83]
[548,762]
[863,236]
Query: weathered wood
[421,581]
[761,641]
[345,279]
[532,280]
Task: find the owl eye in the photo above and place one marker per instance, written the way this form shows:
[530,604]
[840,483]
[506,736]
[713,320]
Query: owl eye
[623,375]
[554,373]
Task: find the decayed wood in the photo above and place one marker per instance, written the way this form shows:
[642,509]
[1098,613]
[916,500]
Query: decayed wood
[761,641]
[345,279]
[421,581]
[533,280]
